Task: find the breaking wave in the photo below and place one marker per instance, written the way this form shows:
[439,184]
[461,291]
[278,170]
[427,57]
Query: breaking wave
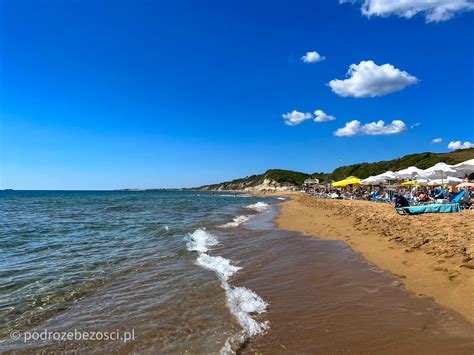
[242,302]
[237,221]
[259,206]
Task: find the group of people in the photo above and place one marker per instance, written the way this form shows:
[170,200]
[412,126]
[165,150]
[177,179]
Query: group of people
[401,196]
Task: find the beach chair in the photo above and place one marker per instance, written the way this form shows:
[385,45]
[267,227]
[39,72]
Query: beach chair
[465,201]
[456,198]
[433,208]
[441,194]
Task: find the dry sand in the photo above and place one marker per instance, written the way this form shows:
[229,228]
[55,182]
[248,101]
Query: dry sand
[432,254]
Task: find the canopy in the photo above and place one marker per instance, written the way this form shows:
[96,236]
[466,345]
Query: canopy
[388,175]
[351,180]
[450,180]
[422,182]
[466,184]
[409,172]
[371,180]
[438,171]
[466,167]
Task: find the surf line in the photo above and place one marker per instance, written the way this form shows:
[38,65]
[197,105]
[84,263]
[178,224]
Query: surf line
[241,301]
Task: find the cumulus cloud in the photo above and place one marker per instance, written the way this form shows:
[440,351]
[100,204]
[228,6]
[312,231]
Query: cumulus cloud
[312,57]
[320,116]
[378,128]
[459,145]
[437,140]
[433,10]
[295,117]
[368,79]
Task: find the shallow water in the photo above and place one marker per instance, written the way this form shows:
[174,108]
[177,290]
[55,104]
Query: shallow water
[114,260]
[189,271]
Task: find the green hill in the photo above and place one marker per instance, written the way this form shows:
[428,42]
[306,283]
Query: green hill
[279,177]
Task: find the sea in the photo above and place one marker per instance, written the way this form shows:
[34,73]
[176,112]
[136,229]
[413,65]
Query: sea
[194,272]
[148,261]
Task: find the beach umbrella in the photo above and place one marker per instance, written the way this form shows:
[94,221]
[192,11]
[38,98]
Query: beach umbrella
[450,180]
[386,176]
[371,180]
[422,182]
[409,172]
[411,183]
[351,180]
[466,184]
[466,167]
[438,171]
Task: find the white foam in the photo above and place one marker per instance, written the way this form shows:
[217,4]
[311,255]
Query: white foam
[221,266]
[242,302]
[167,228]
[259,206]
[281,198]
[200,240]
[237,221]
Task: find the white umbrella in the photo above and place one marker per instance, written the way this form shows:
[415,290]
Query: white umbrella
[438,171]
[450,180]
[422,182]
[371,180]
[409,172]
[388,175]
[466,167]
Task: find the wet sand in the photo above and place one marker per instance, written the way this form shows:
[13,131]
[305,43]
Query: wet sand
[324,298]
[431,254]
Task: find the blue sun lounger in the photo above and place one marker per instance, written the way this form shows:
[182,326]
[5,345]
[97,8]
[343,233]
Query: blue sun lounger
[433,208]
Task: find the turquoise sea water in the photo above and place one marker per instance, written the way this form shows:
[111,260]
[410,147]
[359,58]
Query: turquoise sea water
[116,258]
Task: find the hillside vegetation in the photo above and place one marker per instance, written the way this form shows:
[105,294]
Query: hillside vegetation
[281,178]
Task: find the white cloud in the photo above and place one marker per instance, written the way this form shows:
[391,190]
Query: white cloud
[437,140]
[378,128]
[350,129]
[433,10]
[312,57]
[368,79]
[458,145]
[295,117]
[320,116]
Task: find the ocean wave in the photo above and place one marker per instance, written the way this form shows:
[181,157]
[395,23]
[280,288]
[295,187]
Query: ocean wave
[237,221]
[221,266]
[242,302]
[259,206]
[200,240]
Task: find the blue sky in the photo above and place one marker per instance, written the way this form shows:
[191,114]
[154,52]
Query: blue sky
[116,94]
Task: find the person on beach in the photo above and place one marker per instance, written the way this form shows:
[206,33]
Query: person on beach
[401,201]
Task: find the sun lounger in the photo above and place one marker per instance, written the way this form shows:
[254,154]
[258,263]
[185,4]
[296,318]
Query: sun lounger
[456,198]
[433,208]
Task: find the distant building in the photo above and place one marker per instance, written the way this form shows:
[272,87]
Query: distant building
[309,182]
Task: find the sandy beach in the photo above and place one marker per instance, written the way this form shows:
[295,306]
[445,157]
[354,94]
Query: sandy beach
[432,254]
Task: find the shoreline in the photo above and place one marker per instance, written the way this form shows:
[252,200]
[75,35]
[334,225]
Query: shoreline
[432,254]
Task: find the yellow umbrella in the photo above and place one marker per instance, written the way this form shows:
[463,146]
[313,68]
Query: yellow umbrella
[411,183]
[351,180]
